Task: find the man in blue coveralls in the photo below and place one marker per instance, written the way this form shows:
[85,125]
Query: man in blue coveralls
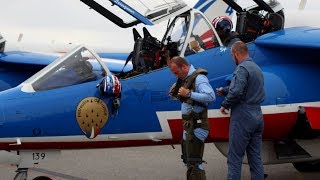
[243,97]
[195,93]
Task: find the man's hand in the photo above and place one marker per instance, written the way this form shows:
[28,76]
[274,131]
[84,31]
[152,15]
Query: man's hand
[183,92]
[219,91]
[172,89]
[223,110]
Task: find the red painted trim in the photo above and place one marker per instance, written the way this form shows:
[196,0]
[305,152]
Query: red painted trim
[206,35]
[313,114]
[84,145]
[276,126]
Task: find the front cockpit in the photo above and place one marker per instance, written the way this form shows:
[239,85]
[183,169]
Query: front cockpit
[79,66]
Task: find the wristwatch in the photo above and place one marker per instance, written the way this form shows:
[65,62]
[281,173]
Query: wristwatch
[189,94]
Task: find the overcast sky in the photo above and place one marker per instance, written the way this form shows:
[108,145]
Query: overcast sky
[73,16]
[52,13]
[74,13]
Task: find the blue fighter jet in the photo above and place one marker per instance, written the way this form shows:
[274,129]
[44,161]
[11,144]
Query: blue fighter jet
[79,101]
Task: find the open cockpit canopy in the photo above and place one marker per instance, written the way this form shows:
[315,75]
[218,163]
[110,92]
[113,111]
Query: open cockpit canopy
[148,12]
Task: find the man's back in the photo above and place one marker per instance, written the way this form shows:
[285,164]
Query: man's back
[245,94]
[254,92]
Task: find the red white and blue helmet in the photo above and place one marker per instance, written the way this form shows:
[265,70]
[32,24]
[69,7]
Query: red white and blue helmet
[222,23]
[112,85]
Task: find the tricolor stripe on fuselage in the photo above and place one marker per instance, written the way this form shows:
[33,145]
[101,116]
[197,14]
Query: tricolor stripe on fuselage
[278,119]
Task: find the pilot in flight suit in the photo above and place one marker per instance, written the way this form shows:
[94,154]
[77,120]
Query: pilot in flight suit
[195,92]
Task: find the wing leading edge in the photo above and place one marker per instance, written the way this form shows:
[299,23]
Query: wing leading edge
[18,57]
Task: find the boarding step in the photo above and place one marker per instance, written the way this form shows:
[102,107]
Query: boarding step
[289,149]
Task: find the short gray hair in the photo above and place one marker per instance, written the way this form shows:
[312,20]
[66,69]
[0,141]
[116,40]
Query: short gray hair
[240,47]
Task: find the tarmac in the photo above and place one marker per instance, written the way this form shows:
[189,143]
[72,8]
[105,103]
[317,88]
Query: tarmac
[142,163]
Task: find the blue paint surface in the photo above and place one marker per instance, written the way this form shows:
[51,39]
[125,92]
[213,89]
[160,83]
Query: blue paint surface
[291,76]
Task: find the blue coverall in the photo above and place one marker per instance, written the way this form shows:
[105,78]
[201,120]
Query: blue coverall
[244,95]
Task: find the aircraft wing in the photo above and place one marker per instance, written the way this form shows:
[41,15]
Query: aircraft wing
[114,61]
[18,57]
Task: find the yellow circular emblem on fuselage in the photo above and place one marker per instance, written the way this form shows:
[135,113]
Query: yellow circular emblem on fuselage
[92,115]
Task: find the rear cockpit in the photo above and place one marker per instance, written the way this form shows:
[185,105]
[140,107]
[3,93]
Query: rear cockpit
[188,31]
[261,18]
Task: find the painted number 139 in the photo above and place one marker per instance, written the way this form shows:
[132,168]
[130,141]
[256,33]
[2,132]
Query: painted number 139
[37,156]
